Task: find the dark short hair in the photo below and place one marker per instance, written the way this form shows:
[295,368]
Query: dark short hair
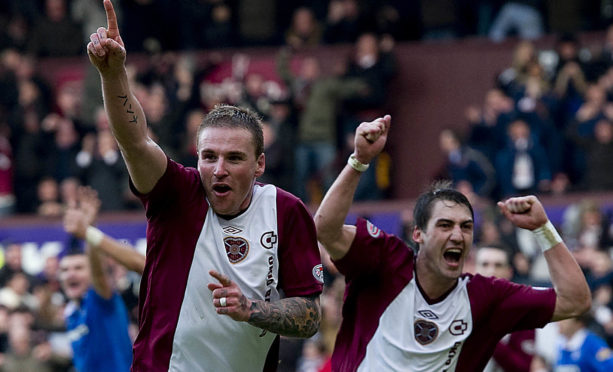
[499,247]
[439,190]
[72,249]
[228,116]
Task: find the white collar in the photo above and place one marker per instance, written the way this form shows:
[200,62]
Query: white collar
[576,340]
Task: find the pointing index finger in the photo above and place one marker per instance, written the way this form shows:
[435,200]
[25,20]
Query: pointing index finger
[111,20]
[224,280]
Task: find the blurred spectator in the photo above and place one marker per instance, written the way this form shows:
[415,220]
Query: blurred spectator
[4,327]
[389,22]
[535,103]
[24,85]
[96,317]
[581,349]
[373,62]
[31,144]
[313,356]
[9,94]
[49,204]
[317,123]
[60,162]
[16,27]
[604,60]
[510,78]
[15,294]
[520,17]
[488,124]
[342,22]
[514,351]
[161,119]
[22,356]
[580,128]
[569,82]
[254,95]
[466,164]
[206,24]
[56,34]
[68,190]
[188,152]
[7,197]
[304,30]
[587,226]
[279,145]
[522,165]
[12,263]
[598,151]
[103,169]
[68,102]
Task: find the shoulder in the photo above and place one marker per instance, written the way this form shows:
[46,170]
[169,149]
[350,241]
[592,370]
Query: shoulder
[287,202]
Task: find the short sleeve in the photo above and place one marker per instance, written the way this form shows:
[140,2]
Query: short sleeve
[176,181]
[299,260]
[510,306]
[372,250]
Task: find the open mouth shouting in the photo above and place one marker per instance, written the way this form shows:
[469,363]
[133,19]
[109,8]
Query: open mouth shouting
[221,189]
[453,256]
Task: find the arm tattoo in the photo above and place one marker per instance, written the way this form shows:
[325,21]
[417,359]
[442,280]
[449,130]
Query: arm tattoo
[129,110]
[294,316]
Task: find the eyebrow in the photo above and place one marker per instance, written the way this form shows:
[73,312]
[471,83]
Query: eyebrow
[229,153]
[452,221]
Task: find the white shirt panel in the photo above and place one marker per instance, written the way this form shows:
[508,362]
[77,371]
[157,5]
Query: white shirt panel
[394,346]
[205,340]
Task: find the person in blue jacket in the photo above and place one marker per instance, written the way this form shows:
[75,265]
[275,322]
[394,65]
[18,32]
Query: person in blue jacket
[580,349]
[96,317]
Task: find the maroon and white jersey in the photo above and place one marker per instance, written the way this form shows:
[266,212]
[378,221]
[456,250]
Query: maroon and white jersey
[389,324]
[269,250]
[514,352]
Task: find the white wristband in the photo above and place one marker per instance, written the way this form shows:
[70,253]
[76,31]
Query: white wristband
[93,236]
[355,164]
[547,236]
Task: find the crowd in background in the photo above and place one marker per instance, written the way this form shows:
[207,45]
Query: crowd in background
[544,127]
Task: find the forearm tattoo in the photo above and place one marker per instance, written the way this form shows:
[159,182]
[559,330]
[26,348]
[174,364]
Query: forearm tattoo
[128,107]
[294,316]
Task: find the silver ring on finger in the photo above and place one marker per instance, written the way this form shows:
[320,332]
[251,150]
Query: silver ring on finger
[223,302]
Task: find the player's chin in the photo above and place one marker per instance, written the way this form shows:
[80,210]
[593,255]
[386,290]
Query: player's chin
[454,271]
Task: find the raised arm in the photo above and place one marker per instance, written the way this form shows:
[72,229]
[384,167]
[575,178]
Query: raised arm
[76,220]
[573,294]
[145,160]
[332,233]
[292,316]
[123,254]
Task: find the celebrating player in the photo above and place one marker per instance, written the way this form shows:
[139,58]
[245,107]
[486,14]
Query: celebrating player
[257,241]
[418,312]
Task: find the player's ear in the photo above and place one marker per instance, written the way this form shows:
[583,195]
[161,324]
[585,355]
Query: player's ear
[261,165]
[417,238]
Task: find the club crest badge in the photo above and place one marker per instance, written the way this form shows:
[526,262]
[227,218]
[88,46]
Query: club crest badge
[236,249]
[425,332]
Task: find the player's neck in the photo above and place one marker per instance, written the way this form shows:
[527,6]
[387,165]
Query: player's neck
[432,285]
